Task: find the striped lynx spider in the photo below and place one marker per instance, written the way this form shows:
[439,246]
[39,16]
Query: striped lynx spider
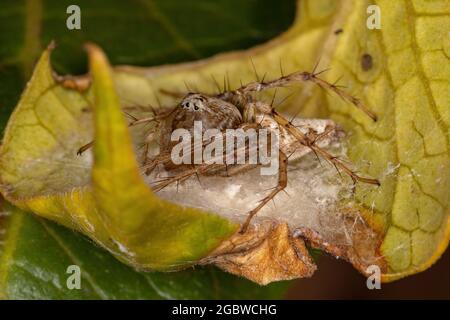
[237,109]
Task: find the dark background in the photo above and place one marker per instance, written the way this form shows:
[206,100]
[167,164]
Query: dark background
[336,279]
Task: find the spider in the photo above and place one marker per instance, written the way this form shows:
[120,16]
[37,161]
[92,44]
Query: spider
[237,108]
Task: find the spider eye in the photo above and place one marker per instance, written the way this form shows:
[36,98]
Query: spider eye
[196,107]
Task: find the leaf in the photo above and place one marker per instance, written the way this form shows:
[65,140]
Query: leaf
[414,228]
[156,39]
[409,147]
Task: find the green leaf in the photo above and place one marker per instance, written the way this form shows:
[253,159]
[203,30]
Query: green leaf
[162,33]
[38,253]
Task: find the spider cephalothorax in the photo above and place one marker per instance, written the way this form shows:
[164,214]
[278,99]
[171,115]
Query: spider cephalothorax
[213,112]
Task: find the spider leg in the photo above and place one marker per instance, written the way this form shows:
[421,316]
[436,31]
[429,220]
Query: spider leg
[87,146]
[184,175]
[339,164]
[217,163]
[304,76]
[156,117]
[82,149]
[282,183]
[163,158]
[303,139]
